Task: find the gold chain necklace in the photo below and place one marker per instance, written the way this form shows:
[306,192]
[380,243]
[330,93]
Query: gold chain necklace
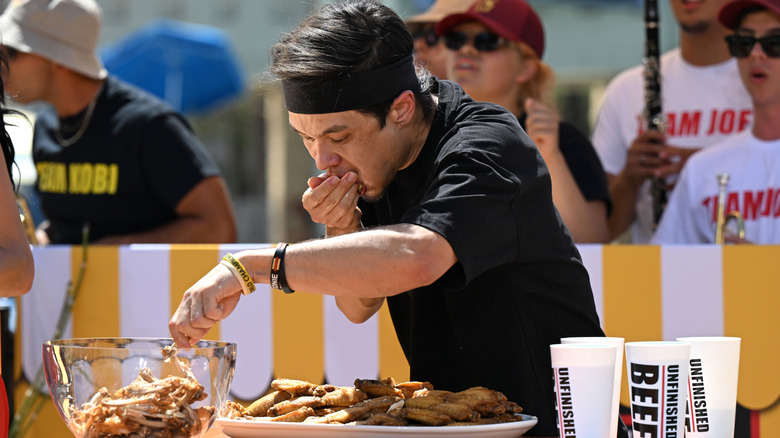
[84,123]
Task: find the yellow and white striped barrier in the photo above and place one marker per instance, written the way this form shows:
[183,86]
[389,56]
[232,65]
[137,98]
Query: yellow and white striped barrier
[641,292]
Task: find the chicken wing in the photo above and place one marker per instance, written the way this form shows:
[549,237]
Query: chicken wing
[259,408]
[409,388]
[294,404]
[378,388]
[343,396]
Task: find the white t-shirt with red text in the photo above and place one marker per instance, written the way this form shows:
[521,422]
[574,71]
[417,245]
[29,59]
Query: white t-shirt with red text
[753,190]
[702,105]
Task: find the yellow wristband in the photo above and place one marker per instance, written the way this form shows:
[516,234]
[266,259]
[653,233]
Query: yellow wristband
[247,285]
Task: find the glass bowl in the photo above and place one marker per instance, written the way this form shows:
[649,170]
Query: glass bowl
[137,386]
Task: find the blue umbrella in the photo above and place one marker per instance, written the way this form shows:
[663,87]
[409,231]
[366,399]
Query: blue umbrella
[191,66]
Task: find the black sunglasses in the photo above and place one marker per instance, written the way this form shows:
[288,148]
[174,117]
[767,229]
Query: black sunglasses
[740,46]
[429,35]
[483,41]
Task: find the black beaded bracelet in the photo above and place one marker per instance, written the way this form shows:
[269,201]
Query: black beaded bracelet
[278,279]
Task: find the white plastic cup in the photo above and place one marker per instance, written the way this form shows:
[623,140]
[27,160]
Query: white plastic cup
[657,374]
[618,343]
[712,386]
[583,379]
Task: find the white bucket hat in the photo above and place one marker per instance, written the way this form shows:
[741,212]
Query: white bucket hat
[63,31]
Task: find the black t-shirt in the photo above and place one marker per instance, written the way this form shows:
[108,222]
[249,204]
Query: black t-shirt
[127,173]
[583,162]
[519,284]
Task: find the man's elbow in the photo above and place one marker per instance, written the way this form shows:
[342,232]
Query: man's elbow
[358,310]
[221,226]
[357,318]
[226,231]
[430,262]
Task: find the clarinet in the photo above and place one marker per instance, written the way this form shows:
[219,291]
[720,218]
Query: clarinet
[653,112]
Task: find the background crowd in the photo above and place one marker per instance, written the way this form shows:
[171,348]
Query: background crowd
[601,174]
[495,50]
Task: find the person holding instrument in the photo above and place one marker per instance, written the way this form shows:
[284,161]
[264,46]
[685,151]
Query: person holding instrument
[16,260]
[703,103]
[496,57]
[438,205]
[751,159]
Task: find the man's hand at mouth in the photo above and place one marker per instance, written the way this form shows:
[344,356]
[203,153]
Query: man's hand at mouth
[332,201]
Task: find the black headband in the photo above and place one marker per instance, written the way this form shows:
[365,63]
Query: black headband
[352,91]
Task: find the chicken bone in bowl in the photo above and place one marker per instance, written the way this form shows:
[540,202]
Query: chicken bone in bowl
[138,386]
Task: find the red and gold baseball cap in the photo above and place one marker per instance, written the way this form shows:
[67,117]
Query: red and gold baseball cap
[731,13]
[511,19]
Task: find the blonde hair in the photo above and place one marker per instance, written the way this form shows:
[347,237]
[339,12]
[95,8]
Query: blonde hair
[540,85]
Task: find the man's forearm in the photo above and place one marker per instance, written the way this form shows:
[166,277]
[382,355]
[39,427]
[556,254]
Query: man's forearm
[376,263]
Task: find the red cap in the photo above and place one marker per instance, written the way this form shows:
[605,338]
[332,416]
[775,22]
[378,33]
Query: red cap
[512,19]
[731,13]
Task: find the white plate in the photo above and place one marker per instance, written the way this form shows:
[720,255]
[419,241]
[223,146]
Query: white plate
[253,429]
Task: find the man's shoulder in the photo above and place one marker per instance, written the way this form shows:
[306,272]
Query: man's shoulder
[471,119]
[130,98]
[129,107]
[627,77]
[633,77]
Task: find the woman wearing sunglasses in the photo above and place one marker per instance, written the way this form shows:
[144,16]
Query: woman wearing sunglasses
[751,158]
[16,261]
[497,49]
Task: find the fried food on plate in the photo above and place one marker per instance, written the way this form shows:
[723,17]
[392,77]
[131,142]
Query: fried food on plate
[424,402]
[343,396]
[294,404]
[383,420]
[260,407]
[381,403]
[409,388]
[343,416]
[377,402]
[378,388]
[295,416]
[429,417]
[456,411]
[300,387]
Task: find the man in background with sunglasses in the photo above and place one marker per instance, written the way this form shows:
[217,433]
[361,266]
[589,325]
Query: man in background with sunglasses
[429,50]
[703,102]
[751,158]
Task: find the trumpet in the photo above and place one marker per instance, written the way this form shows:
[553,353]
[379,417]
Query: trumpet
[724,218]
[27,219]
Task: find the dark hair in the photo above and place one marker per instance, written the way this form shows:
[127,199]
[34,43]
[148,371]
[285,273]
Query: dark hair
[348,37]
[5,139]
[748,10]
